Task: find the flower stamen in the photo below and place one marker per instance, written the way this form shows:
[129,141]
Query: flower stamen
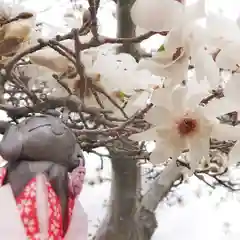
[186,126]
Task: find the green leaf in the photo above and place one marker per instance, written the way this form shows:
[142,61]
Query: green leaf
[121,95]
[162,48]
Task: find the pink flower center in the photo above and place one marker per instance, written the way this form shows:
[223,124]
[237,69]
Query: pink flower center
[186,126]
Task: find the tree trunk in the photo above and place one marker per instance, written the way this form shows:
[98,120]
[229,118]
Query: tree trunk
[120,223]
[126,28]
[161,186]
[145,214]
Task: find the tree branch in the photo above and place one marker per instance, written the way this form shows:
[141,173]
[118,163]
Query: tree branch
[161,186]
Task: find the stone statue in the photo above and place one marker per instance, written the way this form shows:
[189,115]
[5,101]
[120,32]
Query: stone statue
[41,182]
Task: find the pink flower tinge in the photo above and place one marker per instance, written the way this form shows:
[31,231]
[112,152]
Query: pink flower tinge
[76,180]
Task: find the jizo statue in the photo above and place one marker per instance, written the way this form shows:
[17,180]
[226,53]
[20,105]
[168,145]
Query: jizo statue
[41,182]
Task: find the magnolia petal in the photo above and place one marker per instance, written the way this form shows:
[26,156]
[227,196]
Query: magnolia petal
[194,87]
[174,141]
[149,135]
[176,69]
[219,107]
[161,97]
[166,14]
[232,87]
[194,36]
[165,133]
[164,59]
[234,155]
[221,30]
[101,65]
[179,100]
[159,116]
[225,132]
[195,11]
[18,29]
[113,69]
[151,66]
[205,125]
[141,99]
[136,101]
[228,58]
[108,64]
[174,40]
[170,147]
[186,32]
[194,100]
[126,60]
[160,153]
[198,148]
[145,79]
[9,46]
[205,66]
[122,61]
[49,58]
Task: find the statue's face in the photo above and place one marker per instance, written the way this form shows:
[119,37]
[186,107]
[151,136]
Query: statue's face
[42,138]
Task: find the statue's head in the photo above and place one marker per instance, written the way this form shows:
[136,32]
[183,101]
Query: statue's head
[41,138]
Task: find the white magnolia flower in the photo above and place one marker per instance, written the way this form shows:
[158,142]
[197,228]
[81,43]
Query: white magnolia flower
[224,34]
[166,14]
[221,30]
[115,74]
[180,123]
[228,57]
[166,64]
[119,77]
[185,39]
[51,59]
[118,72]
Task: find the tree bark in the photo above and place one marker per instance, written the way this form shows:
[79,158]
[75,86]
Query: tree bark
[126,28]
[161,186]
[120,222]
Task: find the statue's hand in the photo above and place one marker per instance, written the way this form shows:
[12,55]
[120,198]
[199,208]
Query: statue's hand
[76,180]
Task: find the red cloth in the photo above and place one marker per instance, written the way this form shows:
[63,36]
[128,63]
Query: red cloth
[26,203]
